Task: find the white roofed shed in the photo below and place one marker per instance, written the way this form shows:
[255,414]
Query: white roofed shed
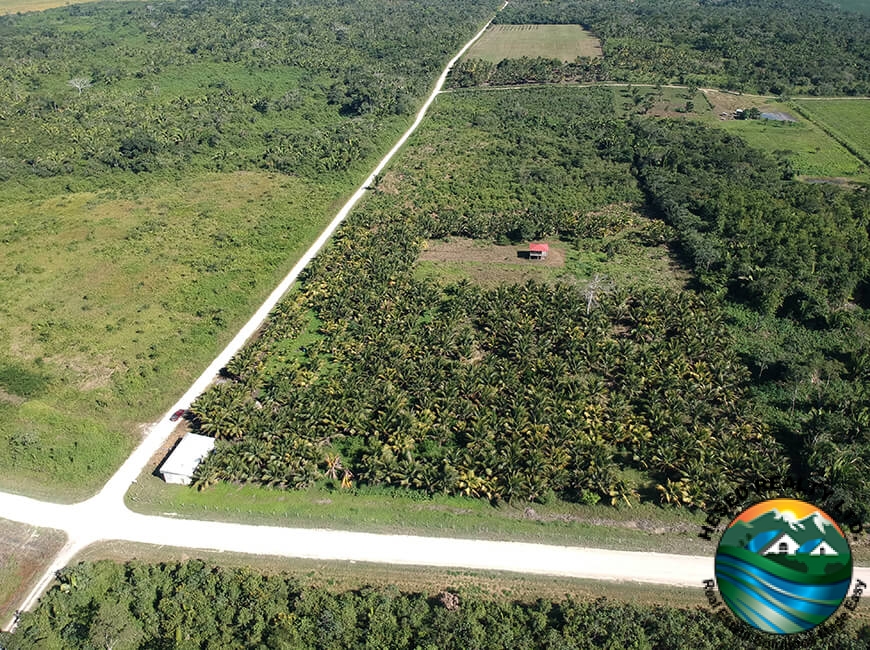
[185,458]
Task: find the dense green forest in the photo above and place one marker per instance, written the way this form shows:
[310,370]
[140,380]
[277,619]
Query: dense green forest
[219,85]
[766,46]
[192,605]
[369,374]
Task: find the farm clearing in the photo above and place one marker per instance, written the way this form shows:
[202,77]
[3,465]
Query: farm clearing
[811,151]
[563,42]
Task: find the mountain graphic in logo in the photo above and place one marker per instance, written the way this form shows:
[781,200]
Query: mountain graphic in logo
[783,566]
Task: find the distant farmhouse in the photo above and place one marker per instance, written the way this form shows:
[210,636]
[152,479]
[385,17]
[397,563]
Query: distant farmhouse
[538,251]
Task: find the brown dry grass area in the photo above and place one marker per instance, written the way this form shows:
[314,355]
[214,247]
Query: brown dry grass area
[22,6]
[25,552]
[458,249]
[343,576]
[389,183]
[730,102]
[488,265]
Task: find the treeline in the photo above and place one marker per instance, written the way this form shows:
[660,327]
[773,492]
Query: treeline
[764,46]
[193,605]
[785,248]
[507,72]
[306,89]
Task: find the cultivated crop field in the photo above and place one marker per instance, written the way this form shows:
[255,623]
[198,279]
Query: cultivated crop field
[22,6]
[564,42]
[846,119]
[162,167]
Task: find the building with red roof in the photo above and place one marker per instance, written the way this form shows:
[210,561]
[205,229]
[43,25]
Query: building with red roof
[538,251]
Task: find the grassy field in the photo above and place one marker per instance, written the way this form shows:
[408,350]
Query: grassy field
[619,255]
[144,217]
[344,576]
[114,302]
[565,42]
[22,6]
[811,151]
[845,119]
[25,552]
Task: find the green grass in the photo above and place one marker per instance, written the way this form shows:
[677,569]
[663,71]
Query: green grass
[644,527]
[811,151]
[25,552]
[112,306]
[565,42]
[845,119]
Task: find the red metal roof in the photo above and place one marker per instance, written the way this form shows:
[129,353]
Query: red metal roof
[539,248]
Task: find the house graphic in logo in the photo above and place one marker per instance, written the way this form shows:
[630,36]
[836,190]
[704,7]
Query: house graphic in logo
[784,544]
[783,566]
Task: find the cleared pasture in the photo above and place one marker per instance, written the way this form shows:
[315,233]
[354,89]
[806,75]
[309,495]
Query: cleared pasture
[23,6]
[564,42]
[115,300]
[811,151]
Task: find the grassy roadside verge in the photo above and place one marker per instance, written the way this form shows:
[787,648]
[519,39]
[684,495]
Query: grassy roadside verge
[25,551]
[644,527]
[344,576]
[641,528]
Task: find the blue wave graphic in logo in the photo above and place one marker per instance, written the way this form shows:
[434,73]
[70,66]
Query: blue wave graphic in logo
[774,604]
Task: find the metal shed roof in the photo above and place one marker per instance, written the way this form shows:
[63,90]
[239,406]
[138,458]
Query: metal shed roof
[189,453]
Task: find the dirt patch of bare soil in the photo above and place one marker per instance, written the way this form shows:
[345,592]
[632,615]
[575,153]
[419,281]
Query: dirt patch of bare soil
[458,249]
[25,551]
[725,102]
[389,183]
[9,398]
